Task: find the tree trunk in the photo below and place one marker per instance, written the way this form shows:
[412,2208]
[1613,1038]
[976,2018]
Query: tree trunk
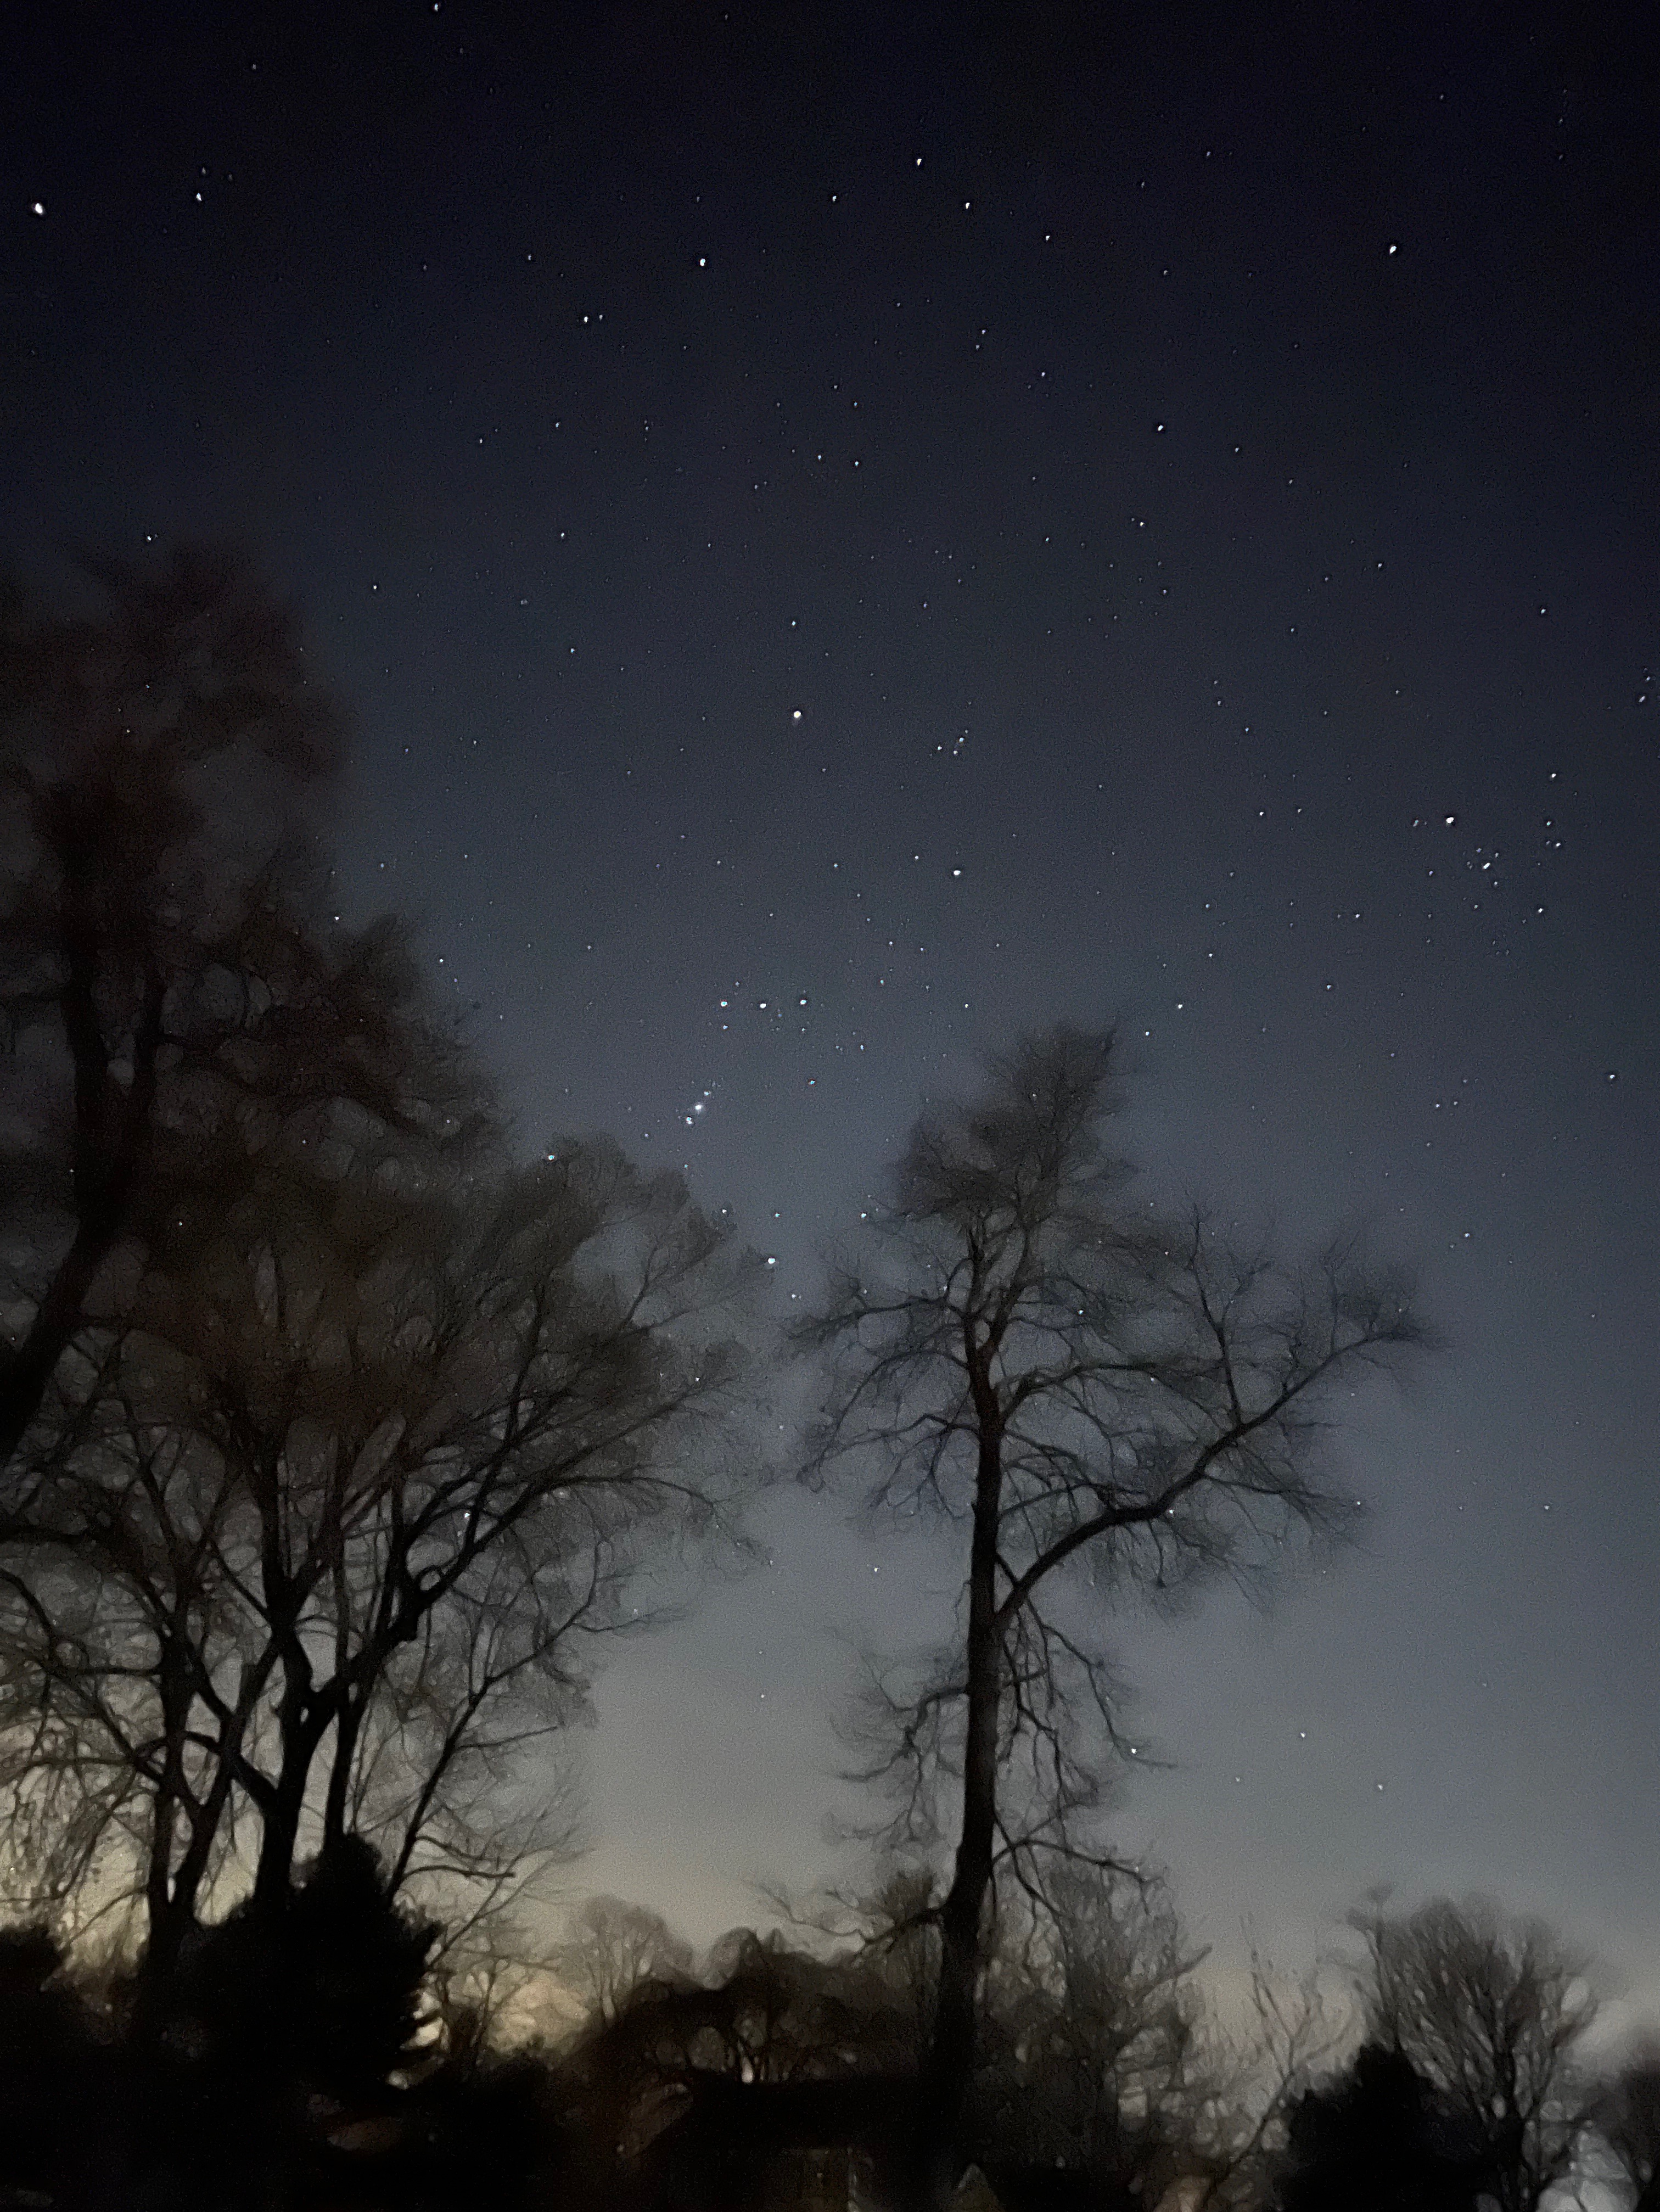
[302,1726]
[171,1803]
[962,1920]
[111,1128]
[29,1369]
[336,1803]
[279,1844]
[170,1921]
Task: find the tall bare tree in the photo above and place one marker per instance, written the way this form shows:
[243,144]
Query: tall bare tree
[1099,1399]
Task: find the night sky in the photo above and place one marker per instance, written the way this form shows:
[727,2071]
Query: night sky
[849,532]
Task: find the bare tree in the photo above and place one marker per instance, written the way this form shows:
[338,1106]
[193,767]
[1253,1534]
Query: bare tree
[1100,1398]
[1490,2011]
[168,977]
[347,1503]
[762,2015]
[108,1608]
[892,1933]
[611,1948]
[1260,2070]
[1095,2054]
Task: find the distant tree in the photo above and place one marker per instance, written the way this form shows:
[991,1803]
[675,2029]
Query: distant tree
[1101,1398]
[891,1937]
[611,1949]
[1628,2119]
[762,2009]
[1260,2067]
[768,2036]
[1379,2138]
[1093,2058]
[797,2014]
[1490,2012]
[1093,2051]
[168,975]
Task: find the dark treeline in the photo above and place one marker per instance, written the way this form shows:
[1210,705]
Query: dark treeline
[336,1436]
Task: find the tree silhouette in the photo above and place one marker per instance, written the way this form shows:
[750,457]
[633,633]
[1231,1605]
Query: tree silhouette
[1628,2117]
[1091,2052]
[324,1992]
[611,1948]
[326,1542]
[1490,2012]
[1099,1398]
[1380,2139]
[167,972]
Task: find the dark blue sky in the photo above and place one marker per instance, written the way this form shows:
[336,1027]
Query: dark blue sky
[851,530]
